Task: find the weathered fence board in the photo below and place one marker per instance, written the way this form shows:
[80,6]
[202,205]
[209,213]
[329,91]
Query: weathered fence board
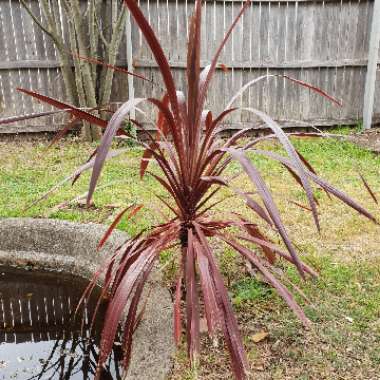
[374,50]
[322,42]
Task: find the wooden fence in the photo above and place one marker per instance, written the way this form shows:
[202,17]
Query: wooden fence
[322,42]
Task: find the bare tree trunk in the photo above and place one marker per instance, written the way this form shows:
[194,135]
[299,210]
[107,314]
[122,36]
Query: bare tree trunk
[106,83]
[51,31]
[85,67]
[86,130]
[85,84]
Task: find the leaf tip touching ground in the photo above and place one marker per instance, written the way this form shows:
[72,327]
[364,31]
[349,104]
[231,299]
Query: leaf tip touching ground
[368,188]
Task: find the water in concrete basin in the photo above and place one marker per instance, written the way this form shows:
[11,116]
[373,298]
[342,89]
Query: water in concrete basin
[38,338]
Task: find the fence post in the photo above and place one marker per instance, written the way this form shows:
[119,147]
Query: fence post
[128,38]
[373,56]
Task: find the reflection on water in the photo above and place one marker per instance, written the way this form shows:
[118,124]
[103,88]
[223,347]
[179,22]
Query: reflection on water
[38,337]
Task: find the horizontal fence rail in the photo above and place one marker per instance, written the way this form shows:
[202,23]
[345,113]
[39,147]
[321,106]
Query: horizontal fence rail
[324,43]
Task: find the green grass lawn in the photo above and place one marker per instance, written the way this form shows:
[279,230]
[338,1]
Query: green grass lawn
[344,303]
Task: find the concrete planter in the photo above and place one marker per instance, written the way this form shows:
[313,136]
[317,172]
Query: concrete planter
[71,247]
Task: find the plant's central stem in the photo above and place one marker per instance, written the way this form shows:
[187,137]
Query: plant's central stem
[183,236]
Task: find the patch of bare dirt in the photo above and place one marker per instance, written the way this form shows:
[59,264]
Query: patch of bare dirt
[369,139]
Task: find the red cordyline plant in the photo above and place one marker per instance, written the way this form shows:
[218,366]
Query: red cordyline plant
[192,161]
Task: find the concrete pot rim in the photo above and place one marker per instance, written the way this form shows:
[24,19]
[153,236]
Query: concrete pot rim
[32,241]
